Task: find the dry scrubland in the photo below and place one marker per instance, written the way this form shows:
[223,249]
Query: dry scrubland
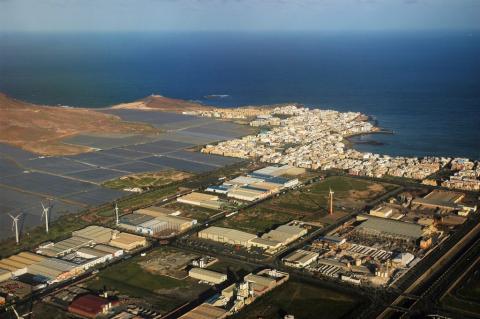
[40,129]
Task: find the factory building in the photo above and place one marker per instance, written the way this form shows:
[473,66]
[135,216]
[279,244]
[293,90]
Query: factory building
[270,246]
[280,170]
[282,182]
[300,258]
[227,235]
[265,281]
[167,219]
[19,264]
[285,234]
[403,259]
[330,241]
[244,181]
[99,234]
[385,228]
[219,189]
[54,269]
[205,311]
[270,187]
[440,199]
[113,251]
[202,200]
[91,306]
[98,256]
[65,247]
[207,275]
[249,193]
[382,211]
[88,257]
[155,220]
[142,224]
[127,242]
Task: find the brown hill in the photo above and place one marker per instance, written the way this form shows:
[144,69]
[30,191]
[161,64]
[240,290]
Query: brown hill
[40,129]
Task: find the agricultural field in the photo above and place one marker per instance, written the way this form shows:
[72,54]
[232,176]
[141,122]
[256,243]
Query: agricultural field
[137,280]
[148,180]
[309,204]
[303,301]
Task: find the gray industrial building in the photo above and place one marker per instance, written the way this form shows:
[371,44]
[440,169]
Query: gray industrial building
[389,229]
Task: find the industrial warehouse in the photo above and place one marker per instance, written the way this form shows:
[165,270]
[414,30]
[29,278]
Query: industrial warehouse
[300,258]
[378,227]
[66,259]
[227,236]
[444,202]
[270,242]
[156,221]
[372,248]
[207,275]
[202,200]
[42,269]
[90,236]
[259,184]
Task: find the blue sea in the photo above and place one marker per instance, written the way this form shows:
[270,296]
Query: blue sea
[423,86]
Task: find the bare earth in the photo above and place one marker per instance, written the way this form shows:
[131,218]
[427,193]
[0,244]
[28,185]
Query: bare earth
[40,129]
[161,103]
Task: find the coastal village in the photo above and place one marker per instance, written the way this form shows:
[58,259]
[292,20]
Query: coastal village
[317,139]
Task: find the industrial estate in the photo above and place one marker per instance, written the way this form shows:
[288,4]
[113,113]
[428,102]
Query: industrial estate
[285,220]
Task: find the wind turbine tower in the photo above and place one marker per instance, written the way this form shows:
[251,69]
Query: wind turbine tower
[46,211]
[330,199]
[116,214]
[15,225]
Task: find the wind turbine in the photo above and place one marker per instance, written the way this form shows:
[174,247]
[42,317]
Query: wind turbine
[45,212]
[330,197]
[15,225]
[116,214]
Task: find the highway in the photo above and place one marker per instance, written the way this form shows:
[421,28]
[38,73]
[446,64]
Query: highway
[442,261]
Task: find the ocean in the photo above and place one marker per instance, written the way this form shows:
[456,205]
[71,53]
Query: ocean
[424,86]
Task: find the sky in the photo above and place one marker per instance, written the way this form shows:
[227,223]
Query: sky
[238,15]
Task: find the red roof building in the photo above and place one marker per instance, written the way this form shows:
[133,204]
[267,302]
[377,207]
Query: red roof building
[90,306]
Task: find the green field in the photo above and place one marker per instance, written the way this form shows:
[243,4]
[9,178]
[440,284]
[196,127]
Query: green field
[162,292]
[302,300]
[308,204]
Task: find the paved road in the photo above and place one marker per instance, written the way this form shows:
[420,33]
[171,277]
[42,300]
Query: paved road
[428,277]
